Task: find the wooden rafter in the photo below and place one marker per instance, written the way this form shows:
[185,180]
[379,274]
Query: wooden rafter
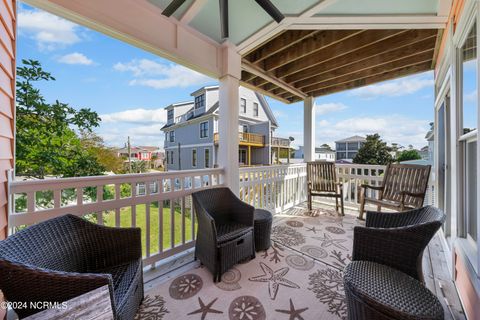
[310,45]
[347,58]
[329,61]
[375,61]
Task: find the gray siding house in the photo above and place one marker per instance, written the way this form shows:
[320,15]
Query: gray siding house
[191,131]
[348,148]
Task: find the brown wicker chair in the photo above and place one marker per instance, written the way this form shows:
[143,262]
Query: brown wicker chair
[322,182]
[397,239]
[403,188]
[225,230]
[62,258]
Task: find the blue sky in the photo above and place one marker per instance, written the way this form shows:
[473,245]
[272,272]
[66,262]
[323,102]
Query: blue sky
[129,87]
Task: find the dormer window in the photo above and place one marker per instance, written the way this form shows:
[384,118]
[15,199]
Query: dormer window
[243,105]
[199,101]
[170,115]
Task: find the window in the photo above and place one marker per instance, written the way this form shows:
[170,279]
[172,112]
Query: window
[194,157]
[170,115]
[168,158]
[255,109]
[245,128]
[204,129]
[469,60]
[207,158]
[200,101]
[243,105]
[172,136]
[342,146]
[352,146]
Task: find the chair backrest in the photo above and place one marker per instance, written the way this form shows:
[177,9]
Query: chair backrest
[322,176]
[406,177]
[216,202]
[56,244]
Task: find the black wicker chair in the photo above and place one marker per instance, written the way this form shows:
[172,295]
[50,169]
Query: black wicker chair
[397,239]
[225,230]
[59,259]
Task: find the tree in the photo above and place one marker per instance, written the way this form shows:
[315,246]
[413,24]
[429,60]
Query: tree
[46,141]
[408,155]
[107,157]
[326,146]
[374,151]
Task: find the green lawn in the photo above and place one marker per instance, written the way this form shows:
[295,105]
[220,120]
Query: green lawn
[125,221]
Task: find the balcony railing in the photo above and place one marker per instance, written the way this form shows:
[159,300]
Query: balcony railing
[245,138]
[280,142]
[158,203]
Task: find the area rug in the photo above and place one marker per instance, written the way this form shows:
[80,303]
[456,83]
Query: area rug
[298,278]
[321,234]
[278,284]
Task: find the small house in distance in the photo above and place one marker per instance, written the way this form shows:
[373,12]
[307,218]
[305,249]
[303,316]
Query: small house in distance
[348,148]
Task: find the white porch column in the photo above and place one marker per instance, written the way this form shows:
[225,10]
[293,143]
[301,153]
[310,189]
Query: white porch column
[228,118]
[309,129]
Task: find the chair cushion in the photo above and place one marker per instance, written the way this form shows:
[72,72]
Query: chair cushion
[230,231]
[391,292]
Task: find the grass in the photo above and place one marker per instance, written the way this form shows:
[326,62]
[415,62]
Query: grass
[155,228]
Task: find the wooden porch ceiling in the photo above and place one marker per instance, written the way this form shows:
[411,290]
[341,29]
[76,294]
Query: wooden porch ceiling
[301,63]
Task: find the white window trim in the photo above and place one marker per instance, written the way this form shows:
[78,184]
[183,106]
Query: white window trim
[205,157]
[196,157]
[256,110]
[170,136]
[471,13]
[200,130]
[245,110]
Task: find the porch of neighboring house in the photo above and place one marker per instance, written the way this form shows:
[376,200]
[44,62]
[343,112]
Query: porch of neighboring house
[321,47]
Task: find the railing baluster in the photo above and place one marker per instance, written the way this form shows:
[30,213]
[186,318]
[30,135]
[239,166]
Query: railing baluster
[172,224]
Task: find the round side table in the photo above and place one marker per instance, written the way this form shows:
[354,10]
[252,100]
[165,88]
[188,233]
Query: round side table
[262,226]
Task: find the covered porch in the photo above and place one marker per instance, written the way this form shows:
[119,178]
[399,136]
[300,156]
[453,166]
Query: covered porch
[318,48]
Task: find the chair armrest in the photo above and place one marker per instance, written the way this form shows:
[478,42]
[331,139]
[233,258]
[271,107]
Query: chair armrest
[242,212]
[365,186]
[412,194]
[383,219]
[399,248]
[113,246]
[25,283]
[309,185]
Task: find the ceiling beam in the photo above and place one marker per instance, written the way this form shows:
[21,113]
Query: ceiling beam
[261,36]
[367,22]
[249,67]
[313,10]
[192,11]
[372,71]
[403,39]
[279,43]
[359,41]
[407,71]
[374,61]
[264,92]
[318,41]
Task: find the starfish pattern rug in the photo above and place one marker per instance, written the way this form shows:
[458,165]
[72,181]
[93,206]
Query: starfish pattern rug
[292,280]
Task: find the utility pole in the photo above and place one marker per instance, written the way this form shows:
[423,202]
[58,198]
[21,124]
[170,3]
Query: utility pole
[129,149]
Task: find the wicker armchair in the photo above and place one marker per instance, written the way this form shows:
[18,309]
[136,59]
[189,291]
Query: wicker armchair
[225,230]
[65,257]
[397,239]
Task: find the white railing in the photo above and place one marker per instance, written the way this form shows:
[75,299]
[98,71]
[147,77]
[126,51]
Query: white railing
[274,187]
[280,187]
[158,203]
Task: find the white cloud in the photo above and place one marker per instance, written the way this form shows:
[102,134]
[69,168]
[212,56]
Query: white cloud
[117,135]
[137,116]
[325,108]
[392,128]
[394,88]
[156,75]
[49,31]
[75,58]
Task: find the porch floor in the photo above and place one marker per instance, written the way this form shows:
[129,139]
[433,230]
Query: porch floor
[301,274]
